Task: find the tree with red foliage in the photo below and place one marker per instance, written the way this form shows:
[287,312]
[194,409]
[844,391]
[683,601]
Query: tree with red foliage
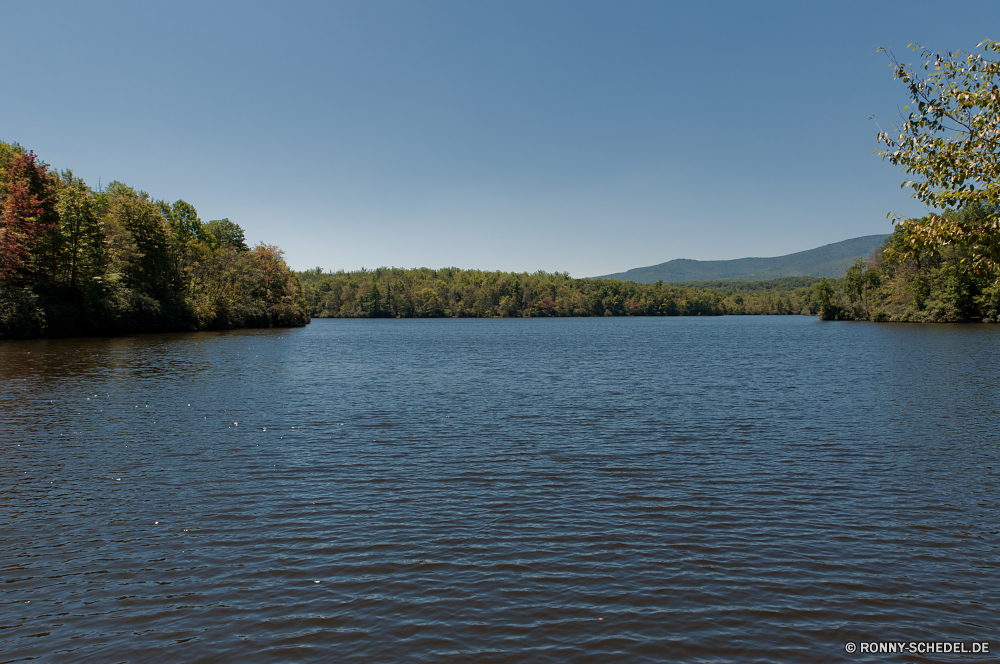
[24,211]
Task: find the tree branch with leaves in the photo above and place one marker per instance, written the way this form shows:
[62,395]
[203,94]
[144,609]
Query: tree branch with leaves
[950,142]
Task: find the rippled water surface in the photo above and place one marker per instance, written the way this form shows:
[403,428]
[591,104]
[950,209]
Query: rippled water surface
[586,490]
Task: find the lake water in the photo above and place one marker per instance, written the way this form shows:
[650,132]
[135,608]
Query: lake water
[559,490]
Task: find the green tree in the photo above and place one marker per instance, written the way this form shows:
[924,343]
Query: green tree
[859,281]
[950,142]
[80,231]
[224,232]
[140,234]
[823,297]
[182,219]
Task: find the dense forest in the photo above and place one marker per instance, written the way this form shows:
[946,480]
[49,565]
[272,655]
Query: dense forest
[903,281]
[76,262]
[453,292]
[910,280]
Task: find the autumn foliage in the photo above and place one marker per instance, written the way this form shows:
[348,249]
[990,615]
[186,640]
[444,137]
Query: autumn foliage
[77,262]
[24,193]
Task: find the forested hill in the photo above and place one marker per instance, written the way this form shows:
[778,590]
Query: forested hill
[831,261]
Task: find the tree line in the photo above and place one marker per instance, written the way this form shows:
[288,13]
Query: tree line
[909,279]
[453,292]
[78,262]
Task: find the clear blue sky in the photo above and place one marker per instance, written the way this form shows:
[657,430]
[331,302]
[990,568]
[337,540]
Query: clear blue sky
[590,137]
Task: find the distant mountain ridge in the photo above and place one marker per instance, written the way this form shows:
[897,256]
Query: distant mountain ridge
[831,260]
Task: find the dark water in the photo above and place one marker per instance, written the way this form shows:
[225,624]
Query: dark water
[585,490]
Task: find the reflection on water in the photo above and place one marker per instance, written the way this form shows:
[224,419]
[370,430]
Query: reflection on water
[741,489]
